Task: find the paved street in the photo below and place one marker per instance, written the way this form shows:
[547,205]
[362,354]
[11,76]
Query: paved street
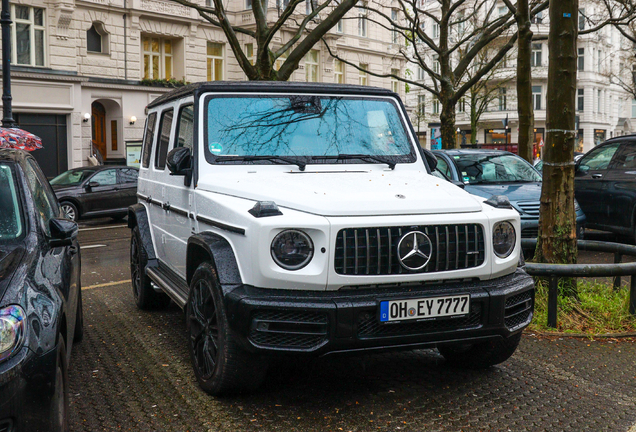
[132,372]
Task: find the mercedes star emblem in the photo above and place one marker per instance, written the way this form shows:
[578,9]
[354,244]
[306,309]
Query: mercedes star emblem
[414,250]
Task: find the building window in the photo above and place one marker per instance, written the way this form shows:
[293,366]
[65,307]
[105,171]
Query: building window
[363,76]
[395,35]
[280,60]
[599,61]
[435,29]
[338,72]
[215,61]
[310,6]
[340,27]
[633,108]
[538,18]
[435,106]
[97,39]
[27,35]
[248,4]
[421,105]
[362,20]
[581,59]
[311,65]
[503,99]
[502,10]
[420,73]
[157,58]
[461,105]
[598,101]
[535,60]
[536,97]
[581,19]
[249,52]
[395,84]
[580,101]
[436,63]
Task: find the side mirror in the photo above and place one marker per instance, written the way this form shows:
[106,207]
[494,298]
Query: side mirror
[431,159]
[459,184]
[63,231]
[179,162]
[91,185]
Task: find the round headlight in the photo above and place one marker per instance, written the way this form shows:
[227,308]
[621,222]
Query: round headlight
[12,330]
[503,239]
[292,249]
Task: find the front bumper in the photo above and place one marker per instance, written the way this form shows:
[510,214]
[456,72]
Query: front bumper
[27,383]
[321,323]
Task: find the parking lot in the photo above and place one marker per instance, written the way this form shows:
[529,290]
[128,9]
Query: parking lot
[132,372]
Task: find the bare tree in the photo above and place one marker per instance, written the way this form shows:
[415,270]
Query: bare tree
[307,30]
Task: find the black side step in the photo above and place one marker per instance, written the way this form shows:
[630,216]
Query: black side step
[176,291]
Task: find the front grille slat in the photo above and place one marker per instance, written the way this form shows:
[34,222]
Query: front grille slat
[454,247]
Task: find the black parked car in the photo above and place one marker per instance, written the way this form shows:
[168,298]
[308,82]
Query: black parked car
[98,191]
[40,299]
[605,185]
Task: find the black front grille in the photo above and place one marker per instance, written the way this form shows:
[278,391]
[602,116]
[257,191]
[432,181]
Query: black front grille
[373,251]
[519,309]
[298,330]
[532,233]
[369,326]
[530,207]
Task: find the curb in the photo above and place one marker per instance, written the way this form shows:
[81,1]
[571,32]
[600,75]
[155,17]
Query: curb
[585,335]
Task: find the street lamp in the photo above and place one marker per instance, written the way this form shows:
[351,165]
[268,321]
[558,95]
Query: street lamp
[5,21]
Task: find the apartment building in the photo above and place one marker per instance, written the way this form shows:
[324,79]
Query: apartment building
[604,108]
[83,71]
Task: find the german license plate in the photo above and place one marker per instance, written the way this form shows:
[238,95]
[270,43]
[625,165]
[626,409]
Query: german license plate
[430,307]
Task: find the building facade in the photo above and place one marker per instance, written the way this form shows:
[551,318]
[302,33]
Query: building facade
[604,106]
[83,71]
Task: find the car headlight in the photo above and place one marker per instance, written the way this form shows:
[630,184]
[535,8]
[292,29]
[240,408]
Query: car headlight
[503,239]
[12,330]
[292,249]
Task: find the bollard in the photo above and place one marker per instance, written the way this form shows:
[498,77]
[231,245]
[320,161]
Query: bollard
[618,257]
[553,294]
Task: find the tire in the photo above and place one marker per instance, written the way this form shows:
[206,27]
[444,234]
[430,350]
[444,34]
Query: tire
[145,296]
[220,365]
[481,355]
[59,421]
[78,333]
[69,210]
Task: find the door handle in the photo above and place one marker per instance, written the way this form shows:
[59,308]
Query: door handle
[597,176]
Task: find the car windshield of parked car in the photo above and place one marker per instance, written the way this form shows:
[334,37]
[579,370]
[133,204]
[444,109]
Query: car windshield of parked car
[10,218]
[502,168]
[73,177]
[307,127]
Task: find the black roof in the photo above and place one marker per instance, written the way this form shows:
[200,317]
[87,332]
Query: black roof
[268,86]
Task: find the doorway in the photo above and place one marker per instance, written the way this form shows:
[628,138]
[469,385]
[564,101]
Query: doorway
[98,120]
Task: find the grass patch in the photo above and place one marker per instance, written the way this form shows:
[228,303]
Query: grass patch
[598,309]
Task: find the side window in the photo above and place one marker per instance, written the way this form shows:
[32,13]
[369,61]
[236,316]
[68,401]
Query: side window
[598,159]
[185,127]
[128,175]
[443,167]
[150,133]
[626,158]
[44,202]
[164,138]
[105,178]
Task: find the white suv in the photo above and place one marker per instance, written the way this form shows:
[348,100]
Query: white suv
[303,219]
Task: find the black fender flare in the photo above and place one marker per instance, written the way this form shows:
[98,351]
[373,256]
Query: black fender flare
[138,216]
[208,246]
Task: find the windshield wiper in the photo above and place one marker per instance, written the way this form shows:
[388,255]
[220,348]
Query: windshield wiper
[275,159]
[362,157]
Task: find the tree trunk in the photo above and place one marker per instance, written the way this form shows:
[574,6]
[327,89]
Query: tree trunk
[447,129]
[524,82]
[557,224]
[473,117]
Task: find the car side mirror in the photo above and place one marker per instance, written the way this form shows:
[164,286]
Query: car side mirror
[63,231]
[458,183]
[91,185]
[179,162]
[431,159]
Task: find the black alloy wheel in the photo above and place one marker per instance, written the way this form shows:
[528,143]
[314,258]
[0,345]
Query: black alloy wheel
[69,210]
[220,365]
[143,292]
[59,404]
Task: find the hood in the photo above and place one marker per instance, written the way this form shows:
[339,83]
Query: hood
[530,191]
[347,193]
[10,258]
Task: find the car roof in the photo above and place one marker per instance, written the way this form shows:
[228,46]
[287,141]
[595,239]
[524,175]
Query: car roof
[101,167]
[259,87]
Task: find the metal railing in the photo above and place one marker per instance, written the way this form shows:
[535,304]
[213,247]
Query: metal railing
[556,271]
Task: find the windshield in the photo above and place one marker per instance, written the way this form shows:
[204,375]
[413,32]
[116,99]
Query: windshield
[304,127]
[501,168]
[73,177]
[10,218]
